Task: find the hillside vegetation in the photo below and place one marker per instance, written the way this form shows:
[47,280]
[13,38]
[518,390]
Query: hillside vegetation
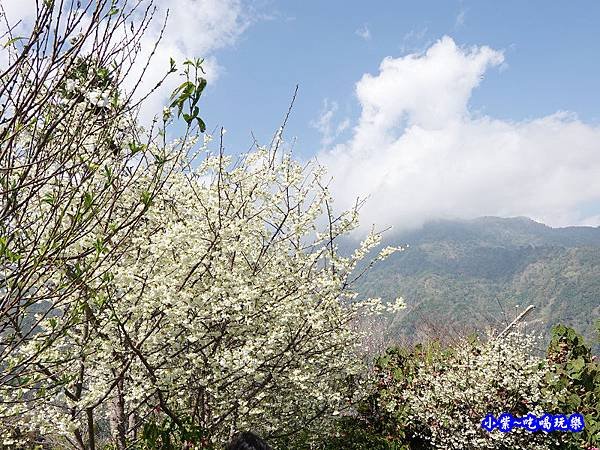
[468,275]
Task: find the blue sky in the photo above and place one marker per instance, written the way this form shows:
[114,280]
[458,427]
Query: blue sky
[549,65]
[430,109]
[551,52]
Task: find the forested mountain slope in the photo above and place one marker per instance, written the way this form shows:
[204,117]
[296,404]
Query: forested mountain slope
[462,276]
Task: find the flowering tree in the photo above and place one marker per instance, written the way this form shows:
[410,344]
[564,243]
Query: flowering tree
[231,310]
[77,174]
[145,296]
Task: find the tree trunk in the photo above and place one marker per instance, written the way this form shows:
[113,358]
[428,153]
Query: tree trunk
[91,434]
[118,418]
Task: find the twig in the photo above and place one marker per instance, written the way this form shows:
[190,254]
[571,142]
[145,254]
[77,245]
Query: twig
[514,322]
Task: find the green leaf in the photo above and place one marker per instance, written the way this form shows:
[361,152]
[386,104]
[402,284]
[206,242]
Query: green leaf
[108,173]
[201,124]
[576,365]
[41,392]
[146,198]
[574,401]
[13,40]
[398,374]
[88,200]
[6,252]
[100,300]
[107,277]
[136,148]
[49,198]
[159,160]
[99,246]
[102,73]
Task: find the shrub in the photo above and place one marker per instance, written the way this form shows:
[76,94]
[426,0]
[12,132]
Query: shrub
[436,397]
[574,382]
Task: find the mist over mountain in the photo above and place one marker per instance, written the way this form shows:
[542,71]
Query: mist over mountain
[461,276]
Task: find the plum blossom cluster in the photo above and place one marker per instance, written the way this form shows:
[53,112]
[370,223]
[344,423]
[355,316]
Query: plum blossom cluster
[448,395]
[78,175]
[241,313]
[143,289]
[229,309]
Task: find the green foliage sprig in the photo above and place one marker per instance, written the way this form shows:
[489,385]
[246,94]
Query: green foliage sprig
[189,93]
[574,381]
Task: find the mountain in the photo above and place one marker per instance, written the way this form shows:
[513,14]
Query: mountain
[462,276]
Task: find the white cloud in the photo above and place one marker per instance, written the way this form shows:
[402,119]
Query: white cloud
[459,21]
[342,126]
[18,14]
[593,221]
[325,124]
[195,28]
[415,35]
[18,10]
[364,33]
[413,41]
[419,153]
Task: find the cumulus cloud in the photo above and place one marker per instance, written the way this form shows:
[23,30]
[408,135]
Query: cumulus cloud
[195,28]
[418,153]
